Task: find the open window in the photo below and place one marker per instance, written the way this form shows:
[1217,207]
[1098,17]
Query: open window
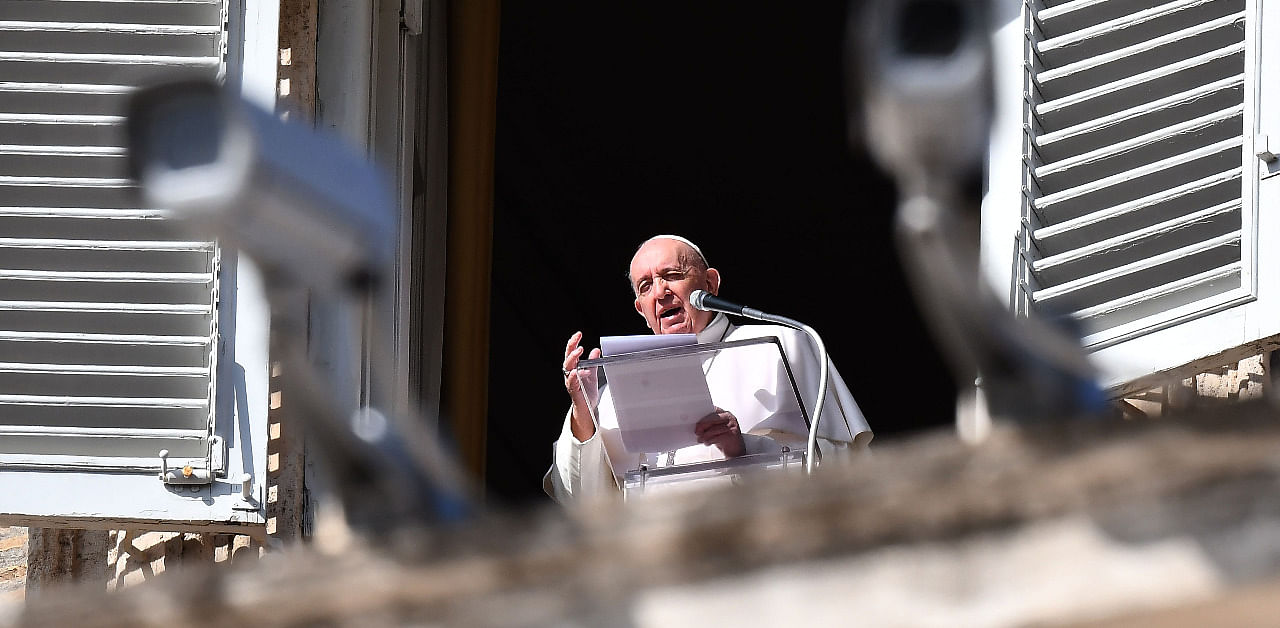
[133,366]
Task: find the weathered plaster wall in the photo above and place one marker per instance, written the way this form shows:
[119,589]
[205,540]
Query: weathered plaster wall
[13,564]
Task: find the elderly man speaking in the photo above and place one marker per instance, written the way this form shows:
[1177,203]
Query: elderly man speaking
[589,457]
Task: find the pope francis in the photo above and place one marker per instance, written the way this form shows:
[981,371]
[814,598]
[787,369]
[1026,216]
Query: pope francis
[755,413]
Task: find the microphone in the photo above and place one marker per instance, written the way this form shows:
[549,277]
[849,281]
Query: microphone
[708,302]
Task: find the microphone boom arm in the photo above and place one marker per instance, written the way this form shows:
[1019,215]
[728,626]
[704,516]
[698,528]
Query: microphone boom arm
[711,303]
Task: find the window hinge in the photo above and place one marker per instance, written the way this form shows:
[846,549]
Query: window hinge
[1262,148]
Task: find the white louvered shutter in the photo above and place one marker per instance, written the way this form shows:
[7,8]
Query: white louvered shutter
[1140,183]
[109,321]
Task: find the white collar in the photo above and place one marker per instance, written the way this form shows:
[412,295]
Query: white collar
[716,330]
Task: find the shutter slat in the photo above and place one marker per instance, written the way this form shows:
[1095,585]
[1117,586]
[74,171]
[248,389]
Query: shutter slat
[108,277]
[1151,200]
[1049,200]
[1135,238]
[104,369]
[83,212]
[1107,121]
[1050,13]
[112,59]
[62,88]
[107,27]
[1070,287]
[136,464]
[62,151]
[106,245]
[1152,294]
[1083,35]
[66,182]
[61,119]
[1128,51]
[104,339]
[1140,141]
[99,432]
[1137,79]
[101,402]
[122,308]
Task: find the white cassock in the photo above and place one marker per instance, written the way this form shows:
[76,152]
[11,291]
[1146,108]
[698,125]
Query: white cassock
[750,382]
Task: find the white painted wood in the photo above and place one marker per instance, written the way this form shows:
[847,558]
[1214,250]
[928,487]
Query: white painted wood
[1150,200]
[66,182]
[101,369]
[63,88]
[98,432]
[111,348]
[1146,15]
[102,402]
[1048,294]
[1138,79]
[86,306]
[106,339]
[74,151]
[49,118]
[1045,202]
[105,245]
[1107,121]
[207,507]
[1122,53]
[85,464]
[1180,285]
[1066,8]
[100,27]
[84,212]
[1085,191]
[1118,148]
[1135,237]
[107,276]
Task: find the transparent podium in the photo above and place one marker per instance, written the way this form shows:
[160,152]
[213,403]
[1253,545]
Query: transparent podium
[656,402]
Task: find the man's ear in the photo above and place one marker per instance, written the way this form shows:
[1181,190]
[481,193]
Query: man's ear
[638,310]
[713,281]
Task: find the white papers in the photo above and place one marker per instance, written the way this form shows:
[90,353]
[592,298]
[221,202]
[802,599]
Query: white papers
[616,345]
[657,402]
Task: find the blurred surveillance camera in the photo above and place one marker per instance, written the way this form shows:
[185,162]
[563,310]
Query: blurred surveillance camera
[923,70]
[304,206]
[921,100]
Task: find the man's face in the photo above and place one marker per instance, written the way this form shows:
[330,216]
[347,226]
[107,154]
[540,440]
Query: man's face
[663,274]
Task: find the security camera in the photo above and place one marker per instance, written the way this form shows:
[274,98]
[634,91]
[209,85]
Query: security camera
[303,205]
[922,68]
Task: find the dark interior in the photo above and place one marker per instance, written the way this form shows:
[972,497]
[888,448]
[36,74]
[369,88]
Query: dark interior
[618,121]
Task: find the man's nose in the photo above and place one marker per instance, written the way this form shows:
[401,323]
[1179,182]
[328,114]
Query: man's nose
[661,287]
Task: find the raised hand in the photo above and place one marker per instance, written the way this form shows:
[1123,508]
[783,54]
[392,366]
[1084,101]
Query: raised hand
[581,384]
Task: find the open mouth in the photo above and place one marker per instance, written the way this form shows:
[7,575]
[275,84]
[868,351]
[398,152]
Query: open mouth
[668,313]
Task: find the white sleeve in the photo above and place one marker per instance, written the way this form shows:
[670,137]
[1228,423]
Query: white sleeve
[842,420]
[758,444]
[581,468]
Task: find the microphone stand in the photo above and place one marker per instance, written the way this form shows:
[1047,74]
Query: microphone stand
[699,300]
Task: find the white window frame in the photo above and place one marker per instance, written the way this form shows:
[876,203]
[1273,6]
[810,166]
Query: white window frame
[1205,334]
[113,499]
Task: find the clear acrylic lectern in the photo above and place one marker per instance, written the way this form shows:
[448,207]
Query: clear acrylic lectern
[750,378]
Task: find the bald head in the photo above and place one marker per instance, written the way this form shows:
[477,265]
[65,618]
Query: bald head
[690,253]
